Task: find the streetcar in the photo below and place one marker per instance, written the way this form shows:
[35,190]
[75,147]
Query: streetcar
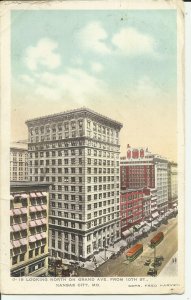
[156,239]
[134,252]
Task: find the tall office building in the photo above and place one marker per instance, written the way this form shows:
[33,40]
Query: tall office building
[18,162]
[78,151]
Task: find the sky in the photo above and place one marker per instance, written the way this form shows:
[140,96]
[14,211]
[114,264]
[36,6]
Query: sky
[120,63]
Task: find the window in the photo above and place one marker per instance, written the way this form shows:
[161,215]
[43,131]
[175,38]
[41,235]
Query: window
[88,249]
[73,249]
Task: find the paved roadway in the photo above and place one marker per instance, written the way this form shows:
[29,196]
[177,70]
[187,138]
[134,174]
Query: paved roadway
[120,267]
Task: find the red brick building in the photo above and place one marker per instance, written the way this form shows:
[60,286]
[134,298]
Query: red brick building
[141,169]
[131,208]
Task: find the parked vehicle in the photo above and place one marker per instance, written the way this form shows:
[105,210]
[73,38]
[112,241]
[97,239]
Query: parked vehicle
[152,272]
[159,258]
[156,264]
[147,262]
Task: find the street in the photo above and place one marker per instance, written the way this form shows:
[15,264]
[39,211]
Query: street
[120,267]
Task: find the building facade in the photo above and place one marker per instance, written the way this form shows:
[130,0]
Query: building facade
[172,185]
[78,151]
[141,169]
[19,163]
[135,206]
[29,204]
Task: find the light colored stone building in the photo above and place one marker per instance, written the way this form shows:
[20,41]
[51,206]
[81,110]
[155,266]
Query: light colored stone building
[78,151]
[172,185]
[18,162]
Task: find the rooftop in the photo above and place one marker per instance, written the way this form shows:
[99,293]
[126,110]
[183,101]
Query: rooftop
[78,110]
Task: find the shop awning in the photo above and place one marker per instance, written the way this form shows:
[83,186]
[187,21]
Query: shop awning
[11,245]
[155,215]
[11,197]
[32,224]
[23,226]
[38,222]
[126,233]
[32,239]
[23,196]
[16,244]
[39,194]
[44,194]
[23,241]
[16,227]
[32,208]
[24,210]
[137,227]
[137,234]
[11,212]
[44,207]
[155,222]
[32,195]
[16,211]
[142,224]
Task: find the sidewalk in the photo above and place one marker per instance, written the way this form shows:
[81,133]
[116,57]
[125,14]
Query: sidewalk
[171,268]
[102,256]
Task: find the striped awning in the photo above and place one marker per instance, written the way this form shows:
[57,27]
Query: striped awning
[32,195]
[43,234]
[32,208]
[43,221]
[16,244]
[44,193]
[38,222]
[44,207]
[32,224]
[24,210]
[16,227]
[39,194]
[23,226]
[23,196]
[16,211]
[155,215]
[126,233]
[23,241]
[38,237]
[38,208]
[32,239]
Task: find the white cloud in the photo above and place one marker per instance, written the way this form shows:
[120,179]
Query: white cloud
[94,37]
[96,67]
[129,41]
[73,85]
[42,54]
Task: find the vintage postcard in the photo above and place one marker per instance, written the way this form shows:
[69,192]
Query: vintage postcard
[92,147]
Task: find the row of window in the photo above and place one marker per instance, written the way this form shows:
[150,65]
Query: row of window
[73,125]
[89,206]
[72,152]
[96,222]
